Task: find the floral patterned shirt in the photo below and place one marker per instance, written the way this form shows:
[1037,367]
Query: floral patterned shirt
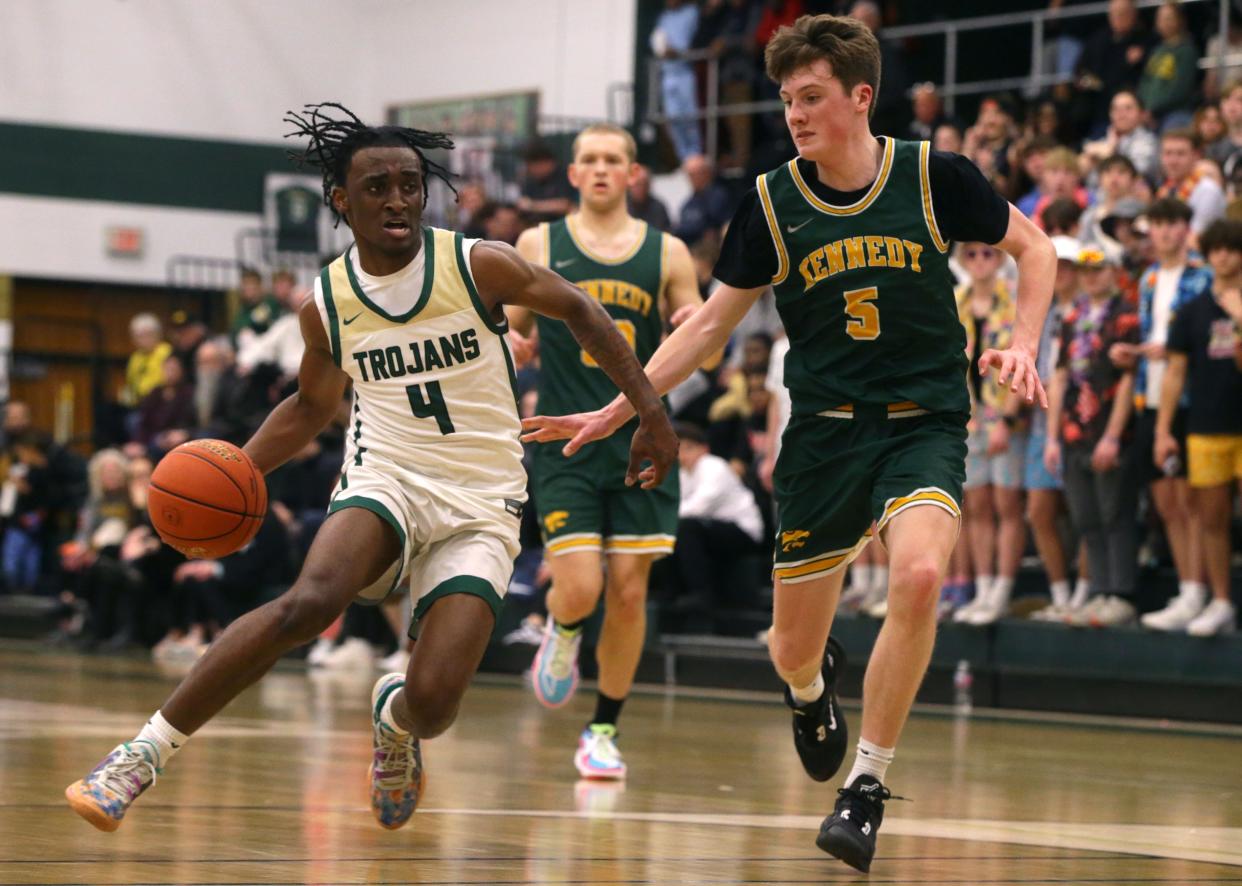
[1089,330]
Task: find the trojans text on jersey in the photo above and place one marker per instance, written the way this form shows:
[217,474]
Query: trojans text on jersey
[423,356]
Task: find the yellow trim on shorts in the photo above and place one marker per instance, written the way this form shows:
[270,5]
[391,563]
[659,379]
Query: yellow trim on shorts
[584,541]
[648,544]
[782,256]
[824,564]
[931,496]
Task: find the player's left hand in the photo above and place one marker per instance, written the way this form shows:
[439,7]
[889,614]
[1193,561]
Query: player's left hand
[655,441]
[1016,367]
[682,314]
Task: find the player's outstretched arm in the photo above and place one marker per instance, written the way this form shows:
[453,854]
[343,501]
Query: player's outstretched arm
[505,278]
[682,295]
[302,415]
[1037,269]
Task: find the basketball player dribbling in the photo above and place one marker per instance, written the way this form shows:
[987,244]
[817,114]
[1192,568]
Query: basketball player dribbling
[854,235]
[432,488]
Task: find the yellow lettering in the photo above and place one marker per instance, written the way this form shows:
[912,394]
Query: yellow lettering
[896,254]
[875,252]
[608,294]
[854,253]
[805,270]
[836,262]
[915,251]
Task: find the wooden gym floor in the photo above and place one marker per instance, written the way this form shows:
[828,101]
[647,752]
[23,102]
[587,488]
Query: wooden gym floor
[274,792]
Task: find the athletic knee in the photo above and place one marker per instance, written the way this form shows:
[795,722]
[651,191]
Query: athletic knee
[789,653]
[576,597]
[914,586]
[626,603]
[431,704]
[305,612]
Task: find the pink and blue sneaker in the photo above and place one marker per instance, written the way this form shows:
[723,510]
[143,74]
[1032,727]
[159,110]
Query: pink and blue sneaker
[397,777]
[598,756]
[105,795]
[554,673]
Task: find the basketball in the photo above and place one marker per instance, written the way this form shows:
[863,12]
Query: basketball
[207,499]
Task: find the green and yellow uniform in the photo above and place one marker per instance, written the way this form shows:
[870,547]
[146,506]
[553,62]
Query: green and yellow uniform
[583,501]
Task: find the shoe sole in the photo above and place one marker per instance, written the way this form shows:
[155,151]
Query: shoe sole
[593,775]
[534,682]
[841,844]
[839,664]
[88,810]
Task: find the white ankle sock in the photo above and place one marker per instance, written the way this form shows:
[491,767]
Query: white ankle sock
[872,760]
[164,738]
[1002,587]
[879,578]
[1082,590]
[1187,588]
[386,715]
[983,589]
[1060,592]
[810,693]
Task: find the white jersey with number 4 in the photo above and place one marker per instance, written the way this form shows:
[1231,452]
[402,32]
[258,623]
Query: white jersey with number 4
[434,384]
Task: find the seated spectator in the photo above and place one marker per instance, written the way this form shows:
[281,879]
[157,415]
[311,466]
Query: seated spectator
[166,415]
[645,205]
[1117,177]
[947,137]
[1063,217]
[1215,78]
[1179,160]
[719,522]
[256,311]
[987,142]
[1174,280]
[1205,357]
[1112,60]
[186,333]
[996,445]
[1226,151]
[1025,182]
[890,111]
[708,208]
[25,505]
[1209,125]
[1171,75]
[145,370]
[1089,409]
[1128,137]
[671,39]
[927,111]
[502,222]
[546,192]
[1059,180]
[471,198]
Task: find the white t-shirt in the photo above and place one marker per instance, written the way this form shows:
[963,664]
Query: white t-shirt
[711,490]
[1161,315]
[775,386]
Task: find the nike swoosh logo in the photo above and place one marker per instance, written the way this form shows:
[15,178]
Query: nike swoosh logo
[793,229]
[353,318]
[565,263]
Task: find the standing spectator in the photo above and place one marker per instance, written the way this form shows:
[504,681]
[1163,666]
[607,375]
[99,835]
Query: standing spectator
[671,39]
[890,111]
[1205,354]
[1179,158]
[996,445]
[546,192]
[726,30]
[1215,77]
[947,138]
[282,345]
[1168,285]
[1088,416]
[257,310]
[1209,125]
[927,112]
[144,371]
[1128,137]
[187,333]
[1170,77]
[167,413]
[1117,177]
[645,205]
[1225,151]
[1127,243]
[1112,60]
[708,209]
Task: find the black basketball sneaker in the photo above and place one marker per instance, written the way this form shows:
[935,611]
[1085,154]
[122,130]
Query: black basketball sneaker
[849,833]
[820,733]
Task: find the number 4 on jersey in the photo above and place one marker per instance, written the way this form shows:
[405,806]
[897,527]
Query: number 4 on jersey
[431,406]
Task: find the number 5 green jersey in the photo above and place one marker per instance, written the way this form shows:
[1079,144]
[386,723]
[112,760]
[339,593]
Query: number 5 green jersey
[865,292]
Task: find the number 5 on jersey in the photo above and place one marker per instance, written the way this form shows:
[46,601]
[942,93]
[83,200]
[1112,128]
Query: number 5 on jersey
[430,406]
[862,319]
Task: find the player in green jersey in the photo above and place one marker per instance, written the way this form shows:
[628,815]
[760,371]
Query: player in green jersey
[643,278]
[854,236]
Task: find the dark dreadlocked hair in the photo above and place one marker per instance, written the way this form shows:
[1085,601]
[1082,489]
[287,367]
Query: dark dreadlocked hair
[333,143]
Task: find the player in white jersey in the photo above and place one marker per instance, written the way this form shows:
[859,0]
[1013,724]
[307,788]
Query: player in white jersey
[432,487]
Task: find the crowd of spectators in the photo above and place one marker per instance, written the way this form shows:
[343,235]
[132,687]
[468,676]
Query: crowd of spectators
[1131,166]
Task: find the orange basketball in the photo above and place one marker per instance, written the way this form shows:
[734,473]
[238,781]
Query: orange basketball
[207,499]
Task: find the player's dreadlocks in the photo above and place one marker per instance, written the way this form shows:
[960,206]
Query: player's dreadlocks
[333,143]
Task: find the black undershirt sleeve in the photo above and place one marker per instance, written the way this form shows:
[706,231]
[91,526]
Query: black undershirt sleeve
[747,255]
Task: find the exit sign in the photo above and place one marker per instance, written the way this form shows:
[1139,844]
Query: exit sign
[124,242]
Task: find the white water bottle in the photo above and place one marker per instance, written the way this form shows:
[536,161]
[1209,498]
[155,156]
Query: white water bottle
[962,683]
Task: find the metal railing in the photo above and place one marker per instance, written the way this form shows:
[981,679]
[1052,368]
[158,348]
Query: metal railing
[949,87]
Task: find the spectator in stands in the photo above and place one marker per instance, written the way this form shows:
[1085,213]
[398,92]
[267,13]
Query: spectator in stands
[1128,137]
[1225,151]
[1174,280]
[708,208]
[891,111]
[1063,216]
[1117,177]
[1171,75]
[471,197]
[1214,78]
[219,396]
[1184,180]
[1029,174]
[25,504]
[1045,502]
[1209,125]
[987,142]
[503,222]
[546,192]
[671,39]
[1089,408]
[1125,239]
[645,205]
[186,333]
[927,112]
[144,371]
[1112,61]
[167,413]
[726,29]
[1204,351]
[996,445]
[947,137]
[17,420]
[1059,180]
[256,311]
[719,523]
[281,345]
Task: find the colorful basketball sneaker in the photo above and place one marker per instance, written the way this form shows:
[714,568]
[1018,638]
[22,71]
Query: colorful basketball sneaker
[554,673]
[849,833]
[397,777]
[819,730]
[104,796]
[598,756]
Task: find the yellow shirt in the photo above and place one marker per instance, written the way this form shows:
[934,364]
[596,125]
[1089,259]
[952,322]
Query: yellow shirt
[144,372]
[998,334]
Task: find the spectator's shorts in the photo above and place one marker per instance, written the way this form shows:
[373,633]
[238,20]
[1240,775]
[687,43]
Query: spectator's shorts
[1145,467]
[453,540]
[836,476]
[1035,475]
[584,504]
[1215,459]
[1005,470]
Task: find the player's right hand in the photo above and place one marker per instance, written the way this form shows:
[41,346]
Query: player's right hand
[655,442]
[579,429]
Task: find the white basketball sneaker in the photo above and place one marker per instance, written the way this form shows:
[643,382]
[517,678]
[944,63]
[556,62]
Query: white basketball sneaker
[598,756]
